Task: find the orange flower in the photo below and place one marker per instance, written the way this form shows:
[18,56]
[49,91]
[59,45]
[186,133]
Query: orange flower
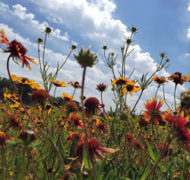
[75,84]
[130,87]
[159,80]
[16,49]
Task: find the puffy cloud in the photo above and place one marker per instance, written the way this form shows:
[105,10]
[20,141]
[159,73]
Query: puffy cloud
[27,21]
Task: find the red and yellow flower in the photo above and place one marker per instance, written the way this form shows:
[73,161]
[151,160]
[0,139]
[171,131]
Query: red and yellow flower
[16,49]
[152,112]
[159,80]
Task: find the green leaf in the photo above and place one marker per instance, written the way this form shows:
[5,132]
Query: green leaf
[146,173]
[151,153]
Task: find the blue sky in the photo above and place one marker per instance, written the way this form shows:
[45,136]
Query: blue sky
[162,26]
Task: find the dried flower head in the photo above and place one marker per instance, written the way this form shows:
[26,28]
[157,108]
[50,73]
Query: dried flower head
[40,96]
[92,105]
[71,106]
[73,47]
[104,47]
[86,58]
[101,87]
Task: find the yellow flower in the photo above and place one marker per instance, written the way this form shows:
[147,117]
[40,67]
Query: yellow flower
[58,83]
[8,96]
[130,87]
[120,81]
[66,97]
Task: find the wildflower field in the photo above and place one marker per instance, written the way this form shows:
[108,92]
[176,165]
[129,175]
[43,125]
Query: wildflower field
[69,140]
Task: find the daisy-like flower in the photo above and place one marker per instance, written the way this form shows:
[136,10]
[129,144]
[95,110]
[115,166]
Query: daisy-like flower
[130,87]
[94,149]
[16,49]
[8,96]
[66,97]
[178,78]
[26,81]
[58,83]
[120,81]
[152,112]
[75,84]
[159,80]
[22,80]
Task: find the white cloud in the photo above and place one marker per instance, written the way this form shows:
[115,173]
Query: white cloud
[28,22]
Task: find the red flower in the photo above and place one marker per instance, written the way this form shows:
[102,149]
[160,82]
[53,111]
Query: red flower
[153,112]
[168,117]
[184,133]
[94,149]
[16,49]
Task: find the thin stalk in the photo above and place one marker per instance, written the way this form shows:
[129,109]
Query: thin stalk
[101,95]
[175,96]
[74,92]
[39,60]
[83,121]
[165,99]
[54,91]
[157,90]
[137,100]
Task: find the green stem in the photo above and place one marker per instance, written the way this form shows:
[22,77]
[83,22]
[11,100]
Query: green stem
[157,90]
[175,96]
[165,99]
[137,100]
